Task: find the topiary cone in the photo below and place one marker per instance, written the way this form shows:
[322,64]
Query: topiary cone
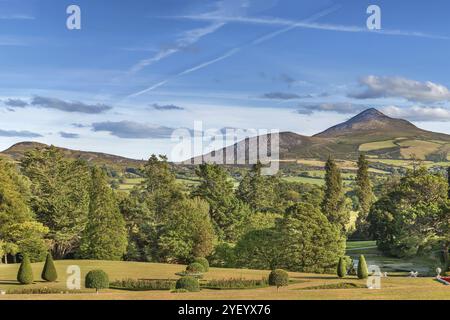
[341,268]
[49,272]
[25,274]
[363,273]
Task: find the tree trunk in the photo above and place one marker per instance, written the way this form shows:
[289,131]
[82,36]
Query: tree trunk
[445,247]
[6,258]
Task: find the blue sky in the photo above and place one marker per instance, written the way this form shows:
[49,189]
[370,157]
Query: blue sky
[137,70]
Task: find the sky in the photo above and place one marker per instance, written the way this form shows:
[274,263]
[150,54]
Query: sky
[138,70]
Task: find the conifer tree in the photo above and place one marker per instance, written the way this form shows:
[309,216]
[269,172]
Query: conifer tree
[49,272]
[25,274]
[365,196]
[105,237]
[363,272]
[341,268]
[333,204]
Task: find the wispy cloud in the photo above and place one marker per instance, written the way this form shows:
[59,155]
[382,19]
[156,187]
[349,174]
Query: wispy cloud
[16,103]
[16,16]
[233,51]
[338,107]
[167,107]
[69,106]
[69,135]
[281,96]
[418,113]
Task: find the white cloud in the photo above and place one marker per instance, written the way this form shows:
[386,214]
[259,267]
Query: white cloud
[418,113]
[385,87]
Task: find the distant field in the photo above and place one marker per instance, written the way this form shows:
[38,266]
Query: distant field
[419,149]
[377,145]
[393,287]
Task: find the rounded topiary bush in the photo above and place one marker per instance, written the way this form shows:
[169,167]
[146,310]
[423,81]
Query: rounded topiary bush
[204,262]
[278,278]
[195,267]
[25,274]
[362,272]
[97,279]
[341,268]
[49,272]
[188,283]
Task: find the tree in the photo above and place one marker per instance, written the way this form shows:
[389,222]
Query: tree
[411,216]
[60,196]
[25,274]
[105,236]
[19,231]
[278,278]
[362,272]
[365,197]
[258,191]
[187,233]
[49,272]
[342,268]
[227,212]
[97,279]
[333,204]
[309,241]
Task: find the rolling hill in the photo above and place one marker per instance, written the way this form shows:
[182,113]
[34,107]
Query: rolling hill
[17,151]
[371,132]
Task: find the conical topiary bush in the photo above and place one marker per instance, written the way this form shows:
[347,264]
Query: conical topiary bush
[25,274]
[49,272]
[341,268]
[363,273]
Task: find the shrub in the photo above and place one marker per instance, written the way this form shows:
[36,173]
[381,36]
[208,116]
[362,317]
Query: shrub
[341,268]
[340,285]
[25,274]
[143,284]
[204,262]
[195,268]
[278,278]
[97,279]
[188,283]
[236,283]
[362,273]
[49,272]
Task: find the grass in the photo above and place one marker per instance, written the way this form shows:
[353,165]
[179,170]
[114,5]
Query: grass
[371,146]
[392,287]
[418,148]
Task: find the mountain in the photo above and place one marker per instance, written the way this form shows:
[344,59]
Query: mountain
[371,132]
[17,151]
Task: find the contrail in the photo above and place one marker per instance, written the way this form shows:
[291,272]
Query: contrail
[234,51]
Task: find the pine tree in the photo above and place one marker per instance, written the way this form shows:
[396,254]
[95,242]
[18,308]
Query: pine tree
[333,204]
[365,196]
[49,272]
[105,237]
[341,268]
[25,274]
[363,272]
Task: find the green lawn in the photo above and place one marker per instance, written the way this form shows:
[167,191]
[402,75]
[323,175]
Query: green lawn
[300,288]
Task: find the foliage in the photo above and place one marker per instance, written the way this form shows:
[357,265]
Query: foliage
[341,268]
[105,234]
[49,272]
[365,197]
[187,233]
[60,196]
[333,204]
[339,285]
[223,256]
[203,261]
[25,273]
[228,213]
[188,283]
[362,272]
[236,283]
[411,215]
[143,284]
[97,279]
[195,268]
[278,278]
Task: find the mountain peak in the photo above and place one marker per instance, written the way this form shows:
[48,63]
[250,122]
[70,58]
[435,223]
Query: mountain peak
[370,120]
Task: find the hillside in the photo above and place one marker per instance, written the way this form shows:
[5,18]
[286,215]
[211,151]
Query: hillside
[17,151]
[372,132]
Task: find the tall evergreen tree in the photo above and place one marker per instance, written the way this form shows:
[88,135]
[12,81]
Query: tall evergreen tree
[105,236]
[365,197]
[49,271]
[60,196]
[333,204]
[227,212]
